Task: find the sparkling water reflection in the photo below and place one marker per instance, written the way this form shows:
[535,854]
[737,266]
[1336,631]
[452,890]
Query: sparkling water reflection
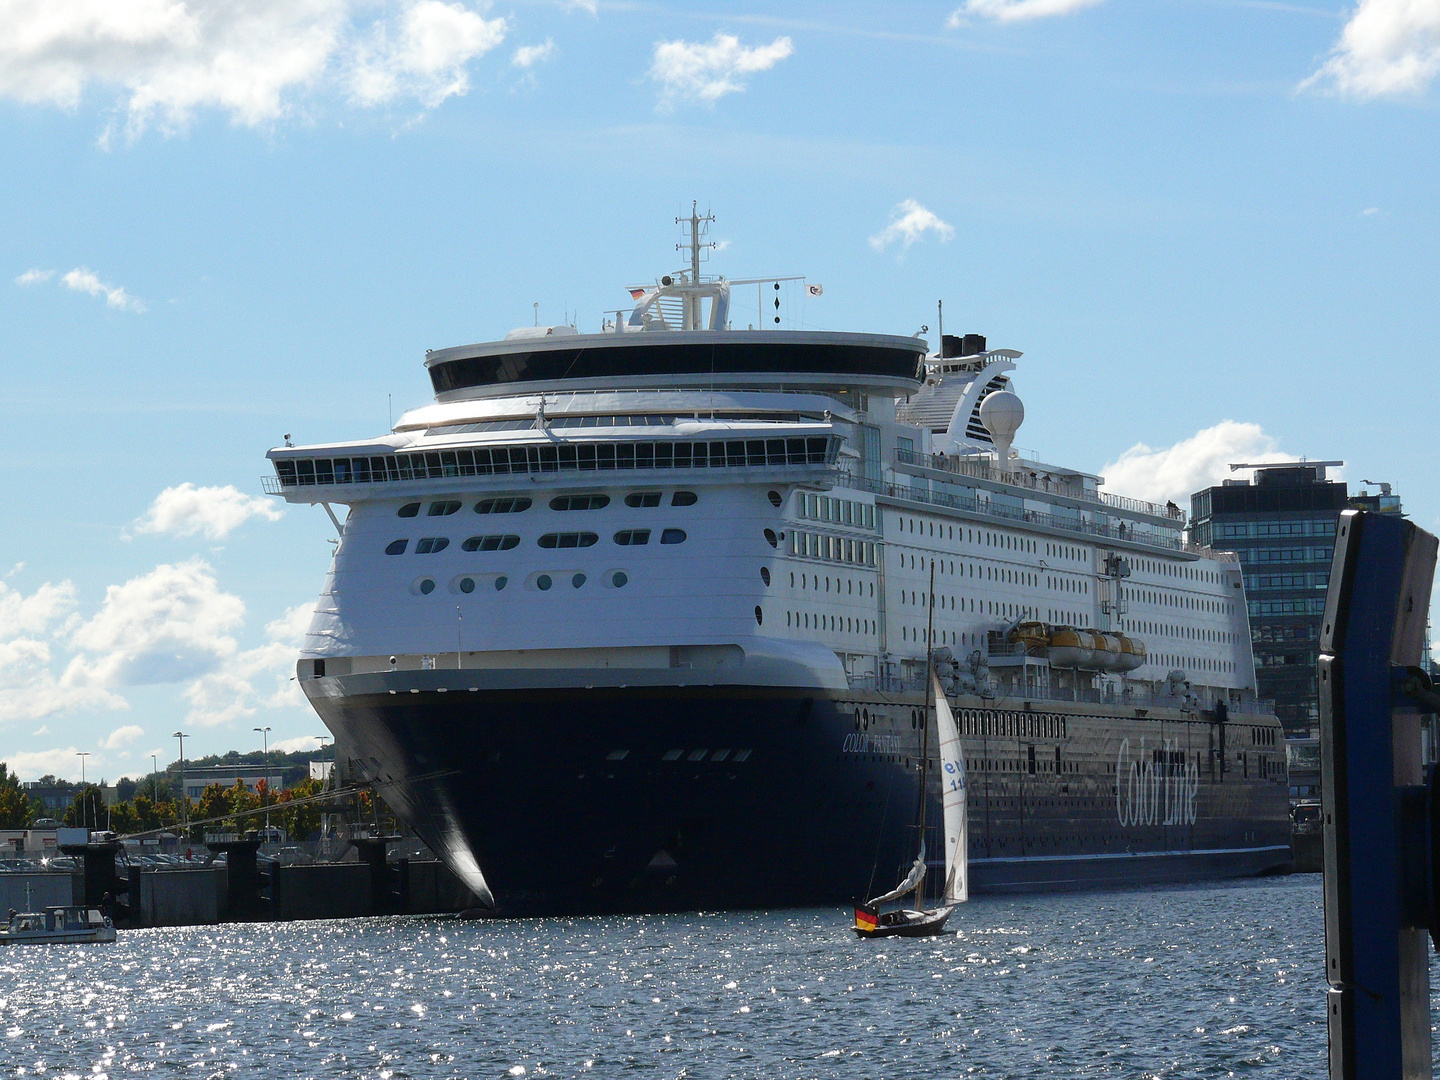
[1184,982]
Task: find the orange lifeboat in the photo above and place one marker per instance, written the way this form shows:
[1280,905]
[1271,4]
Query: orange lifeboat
[1107,651]
[1133,653]
[1072,648]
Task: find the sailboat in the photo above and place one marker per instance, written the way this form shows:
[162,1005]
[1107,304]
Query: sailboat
[920,921]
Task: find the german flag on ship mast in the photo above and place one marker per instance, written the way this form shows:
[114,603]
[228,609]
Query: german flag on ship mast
[865,918]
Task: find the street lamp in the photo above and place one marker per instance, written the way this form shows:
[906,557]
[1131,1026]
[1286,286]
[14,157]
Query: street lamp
[265,755]
[184,799]
[84,809]
[154,778]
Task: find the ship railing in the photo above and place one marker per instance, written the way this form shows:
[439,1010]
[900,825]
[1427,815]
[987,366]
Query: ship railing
[1035,480]
[1077,524]
[304,471]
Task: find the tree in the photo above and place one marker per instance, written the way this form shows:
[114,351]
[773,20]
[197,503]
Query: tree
[16,809]
[299,822]
[86,810]
[214,803]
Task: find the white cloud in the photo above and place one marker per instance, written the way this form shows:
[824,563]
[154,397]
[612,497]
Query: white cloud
[1370,211]
[1174,473]
[34,276]
[297,745]
[1015,10]
[910,222]
[169,625]
[82,279]
[252,59]
[707,72]
[1389,47]
[29,689]
[214,511]
[33,764]
[426,57]
[527,56]
[122,737]
[237,687]
[590,6]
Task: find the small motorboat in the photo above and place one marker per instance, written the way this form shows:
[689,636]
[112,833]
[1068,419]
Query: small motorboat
[70,924]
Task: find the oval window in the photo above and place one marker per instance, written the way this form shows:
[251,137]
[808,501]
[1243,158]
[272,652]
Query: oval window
[542,582]
[467,585]
[408,510]
[683,498]
[765,574]
[427,587]
[577,580]
[775,499]
[618,579]
[759,615]
[501,582]
[397,547]
[672,536]
[643,498]
[771,538]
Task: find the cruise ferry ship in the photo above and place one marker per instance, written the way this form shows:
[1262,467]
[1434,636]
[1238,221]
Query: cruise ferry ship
[639,620]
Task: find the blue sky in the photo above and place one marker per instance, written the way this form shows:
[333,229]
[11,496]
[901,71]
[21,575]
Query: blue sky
[1211,225]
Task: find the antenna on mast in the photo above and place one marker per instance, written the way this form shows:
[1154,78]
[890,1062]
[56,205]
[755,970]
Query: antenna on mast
[698,228]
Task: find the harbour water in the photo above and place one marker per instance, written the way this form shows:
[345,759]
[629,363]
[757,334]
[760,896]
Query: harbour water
[1205,981]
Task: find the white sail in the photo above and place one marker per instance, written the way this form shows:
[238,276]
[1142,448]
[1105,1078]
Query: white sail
[912,879]
[953,801]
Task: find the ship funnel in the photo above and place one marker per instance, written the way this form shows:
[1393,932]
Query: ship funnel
[1002,413]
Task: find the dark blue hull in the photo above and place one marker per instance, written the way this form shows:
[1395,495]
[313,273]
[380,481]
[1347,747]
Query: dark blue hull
[654,798]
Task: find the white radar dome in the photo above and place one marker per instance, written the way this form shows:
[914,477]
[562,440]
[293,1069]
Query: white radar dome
[1002,413]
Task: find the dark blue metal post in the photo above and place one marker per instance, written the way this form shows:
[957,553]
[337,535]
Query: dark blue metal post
[1377,843]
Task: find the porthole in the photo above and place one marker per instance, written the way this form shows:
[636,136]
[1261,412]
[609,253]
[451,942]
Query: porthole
[467,585]
[759,616]
[618,579]
[683,498]
[577,581]
[775,499]
[491,543]
[397,547]
[568,540]
[408,510]
[771,538]
[632,537]
[579,502]
[643,498]
[501,582]
[543,582]
[423,586]
[672,536]
[513,505]
[765,574]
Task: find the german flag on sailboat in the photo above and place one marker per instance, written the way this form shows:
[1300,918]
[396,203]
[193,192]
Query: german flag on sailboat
[865,918]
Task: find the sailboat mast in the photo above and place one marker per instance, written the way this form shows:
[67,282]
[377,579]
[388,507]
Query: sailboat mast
[925,722]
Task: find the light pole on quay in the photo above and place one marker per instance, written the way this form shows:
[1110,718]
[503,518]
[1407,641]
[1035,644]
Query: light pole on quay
[265,761]
[184,799]
[84,802]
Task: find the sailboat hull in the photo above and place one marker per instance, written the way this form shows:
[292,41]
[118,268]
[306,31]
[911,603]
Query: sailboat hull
[910,924]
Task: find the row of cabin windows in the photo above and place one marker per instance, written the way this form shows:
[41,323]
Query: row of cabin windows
[519,504]
[562,457]
[840,511]
[430,545]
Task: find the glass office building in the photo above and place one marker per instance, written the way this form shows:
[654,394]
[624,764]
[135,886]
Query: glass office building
[1282,526]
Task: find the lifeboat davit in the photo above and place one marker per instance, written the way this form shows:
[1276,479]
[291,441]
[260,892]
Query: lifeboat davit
[1072,648]
[1035,636]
